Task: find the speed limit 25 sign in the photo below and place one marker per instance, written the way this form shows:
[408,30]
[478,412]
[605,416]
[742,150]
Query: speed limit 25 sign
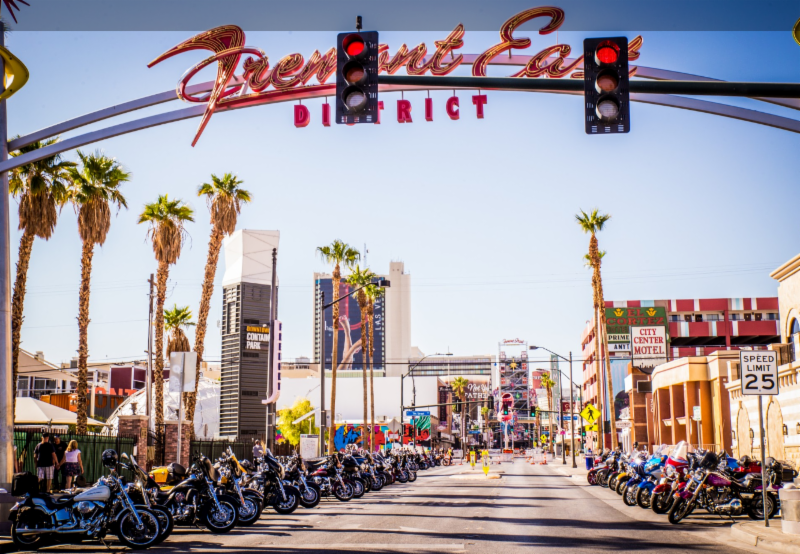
[759,372]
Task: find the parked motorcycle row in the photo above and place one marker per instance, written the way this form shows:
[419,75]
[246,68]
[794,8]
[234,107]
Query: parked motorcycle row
[677,482]
[142,510]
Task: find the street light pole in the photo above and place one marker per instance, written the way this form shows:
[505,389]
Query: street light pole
[410,372]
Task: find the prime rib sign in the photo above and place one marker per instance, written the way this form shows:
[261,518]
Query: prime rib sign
[260,81]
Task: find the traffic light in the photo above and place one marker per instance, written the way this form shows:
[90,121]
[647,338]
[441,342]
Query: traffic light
[357,77]
[605,80]
[533,412]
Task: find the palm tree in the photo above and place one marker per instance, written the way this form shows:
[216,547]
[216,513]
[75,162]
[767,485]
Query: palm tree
[362,278]
[42,188]
[175,321]
[339,254]
[548,383]
[224,197]
[459,386]
[167,233]
[95,185]
[373,293]
[598,372]
[593,223]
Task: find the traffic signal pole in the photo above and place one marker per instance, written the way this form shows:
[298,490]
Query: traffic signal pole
[693,88]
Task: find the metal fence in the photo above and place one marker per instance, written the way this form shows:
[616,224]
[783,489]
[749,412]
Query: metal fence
[213,449]
[91,447]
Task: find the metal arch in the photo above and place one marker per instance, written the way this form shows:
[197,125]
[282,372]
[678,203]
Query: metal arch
[319,91]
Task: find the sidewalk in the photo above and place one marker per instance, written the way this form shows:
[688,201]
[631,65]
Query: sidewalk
[772,539]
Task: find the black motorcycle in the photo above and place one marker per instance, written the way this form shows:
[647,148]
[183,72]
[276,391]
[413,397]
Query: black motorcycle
[193,497]
[231,473]
[269,481]
[297,475]
[85,515]
[136,491]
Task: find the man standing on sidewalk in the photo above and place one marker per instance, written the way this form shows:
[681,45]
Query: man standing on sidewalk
[59,478]
[45,456]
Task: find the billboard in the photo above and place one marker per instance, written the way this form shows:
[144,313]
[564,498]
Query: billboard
[620,320]
[648,347]
[349,348]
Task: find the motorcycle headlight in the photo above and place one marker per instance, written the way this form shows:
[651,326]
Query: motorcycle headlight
[669,470]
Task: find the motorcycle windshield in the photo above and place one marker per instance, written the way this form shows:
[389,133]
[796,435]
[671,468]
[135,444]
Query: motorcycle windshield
[680,452]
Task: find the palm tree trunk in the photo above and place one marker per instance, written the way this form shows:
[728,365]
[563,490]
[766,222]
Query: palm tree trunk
[214,244]
[158,377]
[371,384]
[17,304]
[598,372]
[334,356]
[83,333]
[610,399]
[550,416]
[364,351]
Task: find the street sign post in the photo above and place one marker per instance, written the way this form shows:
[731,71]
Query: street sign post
[759,371]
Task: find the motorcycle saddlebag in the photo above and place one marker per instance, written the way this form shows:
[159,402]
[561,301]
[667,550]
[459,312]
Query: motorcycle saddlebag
[24,483]
[159,475]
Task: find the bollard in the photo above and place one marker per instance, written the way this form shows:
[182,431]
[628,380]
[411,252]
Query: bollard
[790,510]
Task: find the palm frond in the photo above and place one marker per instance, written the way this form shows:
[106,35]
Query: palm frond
[167,232]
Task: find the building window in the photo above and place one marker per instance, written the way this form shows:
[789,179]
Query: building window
[735,317]
[759,316]
[772,317]
[674,318]
[698,317]
[713,317]
[794,336]
[687,317]
[748,317]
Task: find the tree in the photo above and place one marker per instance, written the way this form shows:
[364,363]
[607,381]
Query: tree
[548,384]
[224,197]
[598,372]
[166,219]
[359,279]
[94,187]
[373,293]
[175,321]
[291,431]
[41,188]
[339,254]
[592,223]
[459,386]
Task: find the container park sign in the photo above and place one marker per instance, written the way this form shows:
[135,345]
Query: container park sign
[620,320]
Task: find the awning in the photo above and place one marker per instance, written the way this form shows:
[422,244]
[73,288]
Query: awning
[31,366]
[31,411]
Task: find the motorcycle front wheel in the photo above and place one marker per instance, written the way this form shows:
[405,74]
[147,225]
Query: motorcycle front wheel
[310,497]
[135,537]
[445,462]
[250,511]
[165,522]
[220,519]
[629,495]
[343,491]
[377,483]
[402,476]
[358,488]
[661,502]
[412,476]
[643,498]
[679,510]
[289,505]
[591,477]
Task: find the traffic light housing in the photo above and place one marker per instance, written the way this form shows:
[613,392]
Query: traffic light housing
[606,89]
[357,77]
[533,412]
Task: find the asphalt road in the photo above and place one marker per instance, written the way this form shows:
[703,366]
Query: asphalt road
[530,506]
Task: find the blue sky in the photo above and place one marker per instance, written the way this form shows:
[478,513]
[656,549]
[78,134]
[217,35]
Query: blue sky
[480,211]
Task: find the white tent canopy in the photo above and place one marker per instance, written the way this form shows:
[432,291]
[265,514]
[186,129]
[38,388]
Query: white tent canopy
[31,411]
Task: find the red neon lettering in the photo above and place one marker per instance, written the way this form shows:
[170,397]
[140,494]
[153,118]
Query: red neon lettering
[452,42]
[508,41]
[429,109]
[404,111]
[479,100]
[326,115]
[287,67]
[301,116]
[380,109]
[451,107]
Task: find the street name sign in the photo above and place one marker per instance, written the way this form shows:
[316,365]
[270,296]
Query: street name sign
[418,413]
[759,372]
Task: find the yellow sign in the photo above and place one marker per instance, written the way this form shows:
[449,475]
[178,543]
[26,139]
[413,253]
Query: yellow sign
[486,469]
[16,74]
[544,438]
[796,31]
[472,459]
[590,413]
[591,428]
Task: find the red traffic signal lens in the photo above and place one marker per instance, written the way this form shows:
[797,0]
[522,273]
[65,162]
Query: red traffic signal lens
[354,72]
[353,45]
[607,52]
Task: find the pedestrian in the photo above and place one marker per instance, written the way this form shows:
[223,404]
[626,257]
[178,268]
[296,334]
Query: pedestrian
[73,464]
[59,477]
[45,456]
[258,450]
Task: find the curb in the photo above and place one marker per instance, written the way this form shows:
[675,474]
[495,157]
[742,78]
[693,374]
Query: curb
[752,537]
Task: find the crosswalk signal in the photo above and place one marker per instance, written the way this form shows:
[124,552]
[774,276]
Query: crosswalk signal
[606,90]
[357,77]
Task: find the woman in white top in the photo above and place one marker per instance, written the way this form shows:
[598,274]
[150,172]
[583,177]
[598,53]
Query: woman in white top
[73,465]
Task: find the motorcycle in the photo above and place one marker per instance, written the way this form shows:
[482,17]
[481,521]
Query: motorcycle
[191,497]
[231,474]
[653,472]
[327,474]
[137,493]
[88,514]
[713,487]
[296,474]
[678,465]
[284,498]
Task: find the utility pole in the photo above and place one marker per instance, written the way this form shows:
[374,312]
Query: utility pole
[270,385]
[6,377]
[149,376]
[323,419]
